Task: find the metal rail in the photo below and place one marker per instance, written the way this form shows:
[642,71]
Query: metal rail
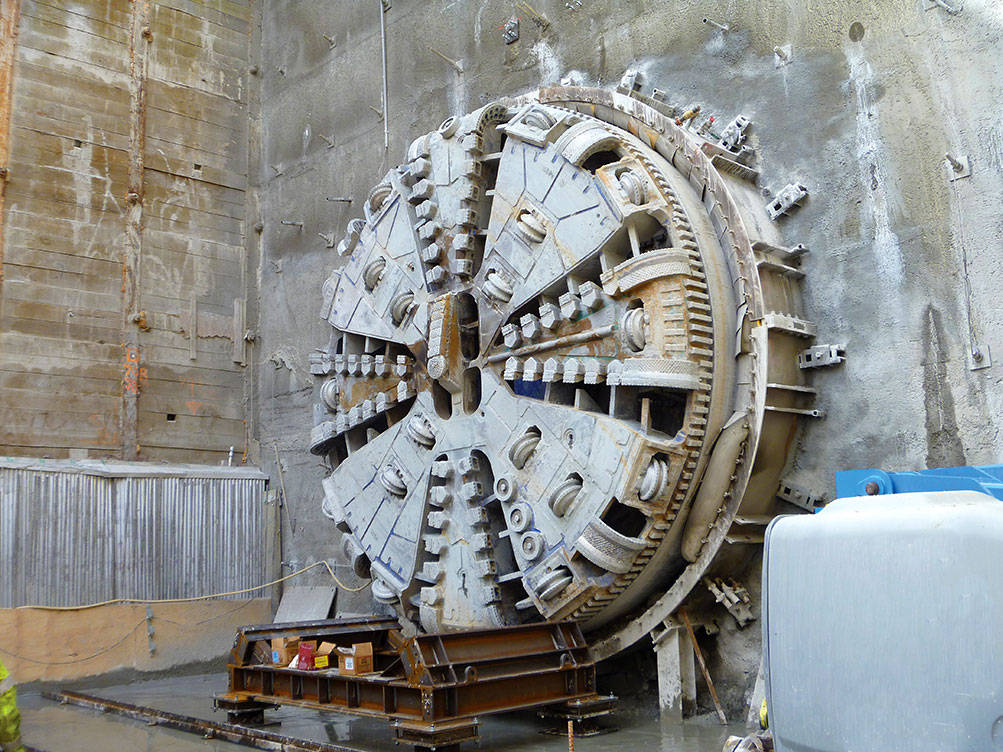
[247,737]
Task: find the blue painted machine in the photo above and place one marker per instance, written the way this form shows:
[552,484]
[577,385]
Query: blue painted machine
[987,479]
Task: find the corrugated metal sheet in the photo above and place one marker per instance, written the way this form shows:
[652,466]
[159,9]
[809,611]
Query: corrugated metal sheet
[77,532]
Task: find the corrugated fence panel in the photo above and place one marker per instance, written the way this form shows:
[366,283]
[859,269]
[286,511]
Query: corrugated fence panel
[73,533]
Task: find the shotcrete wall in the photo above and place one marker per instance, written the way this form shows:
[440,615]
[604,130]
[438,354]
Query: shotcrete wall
[903,263]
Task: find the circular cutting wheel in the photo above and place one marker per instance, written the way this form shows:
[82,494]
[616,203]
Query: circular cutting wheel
[534,363]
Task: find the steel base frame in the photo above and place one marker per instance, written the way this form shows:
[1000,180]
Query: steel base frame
[431,688]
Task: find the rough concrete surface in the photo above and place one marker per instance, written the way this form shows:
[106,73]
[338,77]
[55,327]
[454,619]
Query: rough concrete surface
[863,120]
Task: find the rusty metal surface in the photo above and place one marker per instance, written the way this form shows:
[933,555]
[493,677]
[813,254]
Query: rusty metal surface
[430,687]
[132,321]
[74,533]
[247,737]
[10,19]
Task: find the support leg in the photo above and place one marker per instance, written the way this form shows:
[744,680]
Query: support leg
[677,684]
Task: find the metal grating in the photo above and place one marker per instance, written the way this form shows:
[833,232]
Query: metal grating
[77,532]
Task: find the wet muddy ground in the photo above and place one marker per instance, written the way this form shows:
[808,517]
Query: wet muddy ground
[51,727]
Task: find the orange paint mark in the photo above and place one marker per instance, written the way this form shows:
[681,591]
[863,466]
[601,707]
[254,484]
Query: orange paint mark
[134,376]
[193,404]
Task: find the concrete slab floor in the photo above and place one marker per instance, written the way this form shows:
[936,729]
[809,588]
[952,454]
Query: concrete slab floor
[51,727]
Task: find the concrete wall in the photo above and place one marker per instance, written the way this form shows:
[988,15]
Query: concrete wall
[874,96]
[122,227]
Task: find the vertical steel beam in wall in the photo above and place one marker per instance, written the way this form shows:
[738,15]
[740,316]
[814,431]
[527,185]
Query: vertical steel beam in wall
[10,19]
[133,238]
[384,7]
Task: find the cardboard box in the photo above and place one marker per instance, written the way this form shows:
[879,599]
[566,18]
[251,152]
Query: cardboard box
[262,653]
[284,649]
[357,659]
[322,658]
[304,659]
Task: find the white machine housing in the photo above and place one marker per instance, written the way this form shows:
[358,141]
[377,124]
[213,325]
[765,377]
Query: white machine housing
[883,625]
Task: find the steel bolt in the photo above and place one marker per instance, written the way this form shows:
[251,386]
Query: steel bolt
[871,489]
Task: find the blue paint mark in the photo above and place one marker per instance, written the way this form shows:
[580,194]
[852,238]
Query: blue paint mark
[532,389]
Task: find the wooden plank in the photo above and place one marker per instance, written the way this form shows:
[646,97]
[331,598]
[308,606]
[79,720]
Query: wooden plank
[68,262]
[191,431]
[72,154]
[195,221]
[58,428]
[63,279]
[200,247]
[227,86]
[158,404]
[233,15]
[44,365]
[71,401]
[70,19]
[202,226]
[62,313]
[174,160]
[175,302]
[178,303]
[116,14]
[74,46]
[66,330]
[71,130]
[198,30]
[198,456]
[171,391]
[60,384]
[210,51]
[14,347]
[213,137]
[188,269]
[94,192]
[88,239]
[70,120]
[209,357]
[191,373]
[201,143]
[17,289]
[90,92]
[60,64]
[196,196]
[197,104]
[65,220]
[56,453]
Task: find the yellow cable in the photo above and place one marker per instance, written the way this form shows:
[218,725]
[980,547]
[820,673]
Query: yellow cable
[202,597]
[363,586]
